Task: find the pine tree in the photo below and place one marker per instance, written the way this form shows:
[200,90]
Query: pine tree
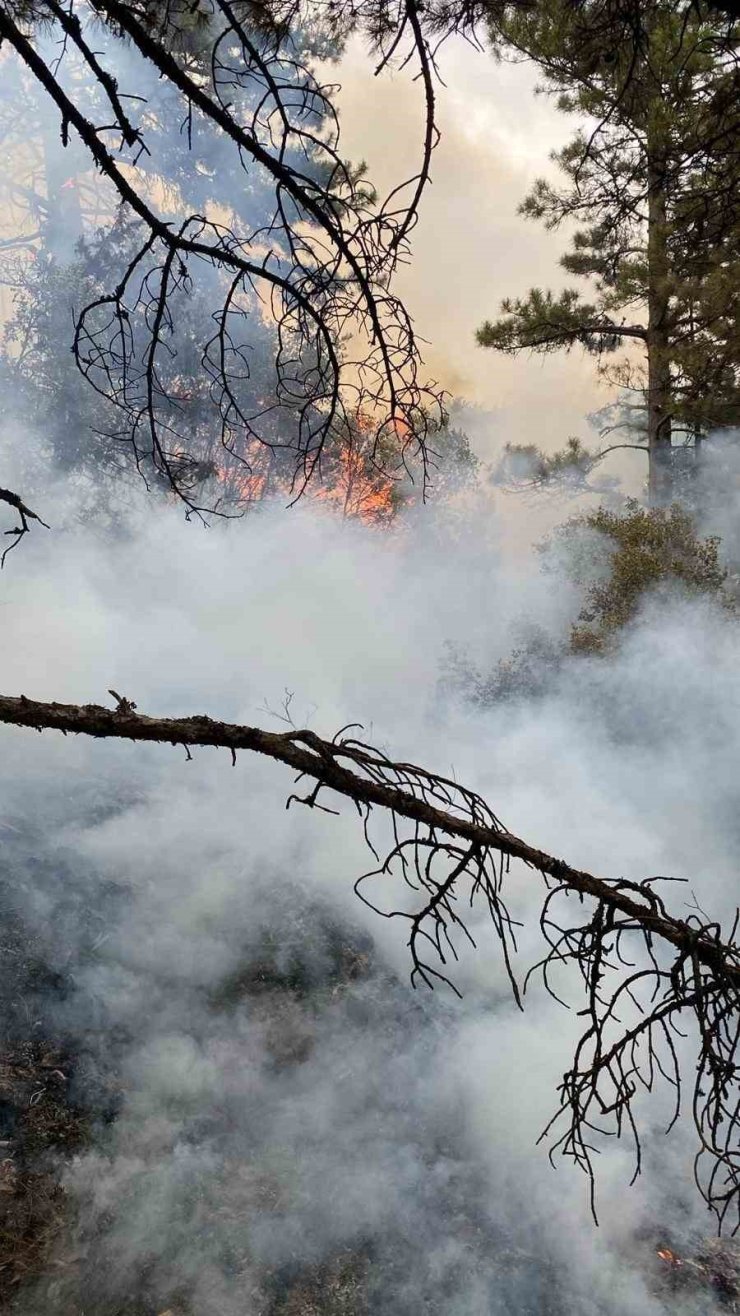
[653,181]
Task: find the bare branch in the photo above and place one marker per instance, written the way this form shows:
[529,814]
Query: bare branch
[25,514]
[316,268]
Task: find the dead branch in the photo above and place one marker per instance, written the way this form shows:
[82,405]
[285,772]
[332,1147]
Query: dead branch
[317,265]
[643,969]
[25,514]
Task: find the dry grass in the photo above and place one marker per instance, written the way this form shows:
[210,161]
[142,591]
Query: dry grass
[336,1288]
[36,1119]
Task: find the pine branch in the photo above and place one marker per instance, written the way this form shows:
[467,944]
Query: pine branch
[508,337]
[543,322]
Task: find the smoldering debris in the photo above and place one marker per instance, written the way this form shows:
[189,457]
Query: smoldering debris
[709,1268]
[271,1142]
[266,1137]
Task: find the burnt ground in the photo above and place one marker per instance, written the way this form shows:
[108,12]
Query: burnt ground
[41,1127]
[37,1123]
[55,1098]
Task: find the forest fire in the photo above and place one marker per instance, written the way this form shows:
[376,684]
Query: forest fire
[352,479]
[714,1266]
[359,489]
[264,1046]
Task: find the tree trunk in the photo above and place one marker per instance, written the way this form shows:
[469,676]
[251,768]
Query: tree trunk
[660,486]
[62,228]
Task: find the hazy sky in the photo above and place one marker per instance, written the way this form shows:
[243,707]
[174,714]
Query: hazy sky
[471,248]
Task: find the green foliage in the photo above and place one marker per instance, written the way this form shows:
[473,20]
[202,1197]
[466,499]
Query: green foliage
[79,427]
[542,322]
[654,190]
[651,549]
[453,464]
[524,464]
[525,674]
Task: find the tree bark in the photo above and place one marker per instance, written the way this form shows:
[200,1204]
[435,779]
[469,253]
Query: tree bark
[660,481]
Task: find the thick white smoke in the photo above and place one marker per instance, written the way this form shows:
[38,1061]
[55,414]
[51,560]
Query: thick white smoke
[279,1125]
[272,1097]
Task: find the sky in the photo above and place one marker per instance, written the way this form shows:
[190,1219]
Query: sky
[471,249]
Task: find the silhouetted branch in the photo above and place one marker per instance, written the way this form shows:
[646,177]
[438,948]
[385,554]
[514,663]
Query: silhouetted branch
[25,515]
[317,266]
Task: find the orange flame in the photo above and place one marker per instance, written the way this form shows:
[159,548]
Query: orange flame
[358,490]
[667,1255]
[352,482]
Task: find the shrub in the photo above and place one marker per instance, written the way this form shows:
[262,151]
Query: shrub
[652,548]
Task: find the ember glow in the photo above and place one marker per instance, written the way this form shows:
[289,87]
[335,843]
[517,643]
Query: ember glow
[669,1256]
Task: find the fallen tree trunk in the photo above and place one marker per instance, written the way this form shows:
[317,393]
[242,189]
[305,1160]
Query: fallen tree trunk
[312,756]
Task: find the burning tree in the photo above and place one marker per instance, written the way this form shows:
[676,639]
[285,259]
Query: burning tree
[71,241]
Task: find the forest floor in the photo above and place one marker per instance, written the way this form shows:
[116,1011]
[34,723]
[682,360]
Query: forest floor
[50,1112]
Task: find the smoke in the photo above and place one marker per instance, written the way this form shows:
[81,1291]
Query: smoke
[471,249]
[276,1122]
[277,1118]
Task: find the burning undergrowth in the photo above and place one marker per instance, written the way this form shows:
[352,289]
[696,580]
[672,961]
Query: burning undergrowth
[710,1270]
